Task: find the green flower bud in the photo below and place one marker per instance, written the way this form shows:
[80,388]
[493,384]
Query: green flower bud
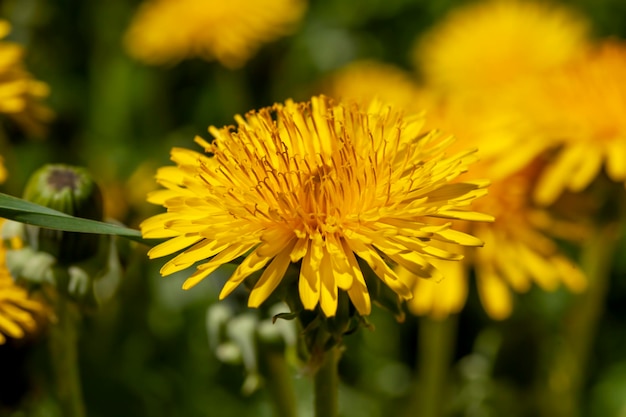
[70,190]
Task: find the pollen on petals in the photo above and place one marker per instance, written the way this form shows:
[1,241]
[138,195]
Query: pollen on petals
[315,186]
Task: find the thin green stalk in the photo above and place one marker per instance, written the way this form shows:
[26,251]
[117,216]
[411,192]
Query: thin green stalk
[326,384]
[64,355]
[568,371]
[434,356]
[279,383]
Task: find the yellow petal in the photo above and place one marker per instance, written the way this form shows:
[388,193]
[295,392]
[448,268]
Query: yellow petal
[541,269]
[199,252]
[616,160]
[227,255]
[329,293]
[154,227]
[9,327]
[587,170]
[571,275]
[271,277]
[251,264]
[454,236]
[173,245]
[380,268]
[557,174]
[309,282]
[494,294]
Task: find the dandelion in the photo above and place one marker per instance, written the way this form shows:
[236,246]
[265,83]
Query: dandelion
[519,250]
[487,45]
[316,185]
[581,108]
[166,31]
[17,309]
[20,94]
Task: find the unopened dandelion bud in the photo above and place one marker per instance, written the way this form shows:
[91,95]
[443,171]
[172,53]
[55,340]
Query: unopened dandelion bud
[70,190]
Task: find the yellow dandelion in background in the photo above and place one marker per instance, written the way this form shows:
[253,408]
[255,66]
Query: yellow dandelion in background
[367,80]
[518,251]
[516,255]
[18,312]
[20,94]
[318,185]
[167,31]
[3,171]
[487,45]
[581,107]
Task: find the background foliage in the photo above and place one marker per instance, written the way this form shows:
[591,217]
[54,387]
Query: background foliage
[146,353]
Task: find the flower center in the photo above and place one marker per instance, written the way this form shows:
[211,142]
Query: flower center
[60,178]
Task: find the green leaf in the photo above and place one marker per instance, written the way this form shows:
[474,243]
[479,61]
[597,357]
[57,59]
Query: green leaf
[23,211]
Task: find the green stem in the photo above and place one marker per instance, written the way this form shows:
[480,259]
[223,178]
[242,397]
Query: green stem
[326,384]
[64,354]
[434,356]
[280,384]
[567,374]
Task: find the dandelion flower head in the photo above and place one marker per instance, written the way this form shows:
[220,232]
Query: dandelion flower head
[167,31]
[581,108]
[518,251]
[20,94]
[489,44]
[317,185]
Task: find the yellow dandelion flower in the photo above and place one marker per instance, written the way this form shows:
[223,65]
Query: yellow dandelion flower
[518,251]
[318,185]
[20,94]
[367,80]
[165,31]
[516,255]
[581,108]
[18,311]
[490,44]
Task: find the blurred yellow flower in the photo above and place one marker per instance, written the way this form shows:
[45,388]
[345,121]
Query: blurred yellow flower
[167,31]
[490,44]
[3,171]
[581,108]
[367,80]
[20,94]
[518,250]
[314,184]
[18,311]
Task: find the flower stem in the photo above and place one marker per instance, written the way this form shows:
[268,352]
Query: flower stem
[64,354]
[326,384]
[280,384]
[568,371]
[434,355]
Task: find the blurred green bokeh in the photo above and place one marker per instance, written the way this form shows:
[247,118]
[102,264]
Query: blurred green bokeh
[146,353]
